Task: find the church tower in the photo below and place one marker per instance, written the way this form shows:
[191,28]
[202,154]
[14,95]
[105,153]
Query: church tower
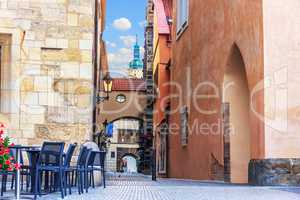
[136,65]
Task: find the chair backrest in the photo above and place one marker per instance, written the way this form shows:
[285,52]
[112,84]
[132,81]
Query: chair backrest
[82,153]
[99,159]
[69,154]
[88,158]
[51,154]
[91,158]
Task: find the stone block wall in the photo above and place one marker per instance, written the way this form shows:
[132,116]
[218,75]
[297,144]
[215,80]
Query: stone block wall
[46,78]
[269,172]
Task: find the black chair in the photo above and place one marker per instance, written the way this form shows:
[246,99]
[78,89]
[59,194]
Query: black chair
[81,168]
[50,160]
[67,164]
[89,170]
[97,163]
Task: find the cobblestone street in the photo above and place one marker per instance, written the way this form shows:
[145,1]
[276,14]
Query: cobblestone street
[142,188]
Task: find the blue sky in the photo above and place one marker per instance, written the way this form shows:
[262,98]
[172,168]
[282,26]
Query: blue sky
[124,19]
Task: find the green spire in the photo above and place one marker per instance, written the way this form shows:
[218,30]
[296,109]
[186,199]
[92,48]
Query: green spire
[136,62]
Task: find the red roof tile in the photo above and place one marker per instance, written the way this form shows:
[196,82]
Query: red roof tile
[123,84]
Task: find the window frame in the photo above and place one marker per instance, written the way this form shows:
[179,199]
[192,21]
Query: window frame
[181,26]
[112,154]
[121,95]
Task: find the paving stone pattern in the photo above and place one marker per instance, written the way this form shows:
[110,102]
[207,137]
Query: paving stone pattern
[137,187]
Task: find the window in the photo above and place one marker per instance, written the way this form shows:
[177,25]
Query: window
[162,163]
[182,15]
[112,154]
[184,125]
[121,98]
[5,72]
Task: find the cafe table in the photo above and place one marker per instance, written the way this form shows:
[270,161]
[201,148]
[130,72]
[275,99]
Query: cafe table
[19,149]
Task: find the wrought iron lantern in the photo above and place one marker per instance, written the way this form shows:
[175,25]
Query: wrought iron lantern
[107,88]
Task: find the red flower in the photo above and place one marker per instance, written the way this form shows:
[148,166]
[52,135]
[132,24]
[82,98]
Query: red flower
[17,166]
[1,166]
[9,169]
[12,145]
[7,162]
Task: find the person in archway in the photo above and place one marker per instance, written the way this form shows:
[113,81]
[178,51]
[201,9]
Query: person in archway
[124,165]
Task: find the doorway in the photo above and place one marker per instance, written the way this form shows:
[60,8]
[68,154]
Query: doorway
[236,121]
[129,164]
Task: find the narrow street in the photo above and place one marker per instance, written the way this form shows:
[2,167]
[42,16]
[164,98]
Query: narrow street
[139,187]
[133,90]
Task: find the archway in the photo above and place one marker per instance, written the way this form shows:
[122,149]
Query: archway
[125,137]
[129,163]
[236,119]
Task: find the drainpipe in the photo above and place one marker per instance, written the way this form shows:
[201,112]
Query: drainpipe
[95,70]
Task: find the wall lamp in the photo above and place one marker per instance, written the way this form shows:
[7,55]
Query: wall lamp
[107,87]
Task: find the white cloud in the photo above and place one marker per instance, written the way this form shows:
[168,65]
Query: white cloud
[142,51]
[143,23]
[119,59]
[122,24]
[121,72]
[111,44]
[128,40]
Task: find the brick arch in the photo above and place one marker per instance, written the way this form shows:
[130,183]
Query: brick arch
[131,154]
[127,117]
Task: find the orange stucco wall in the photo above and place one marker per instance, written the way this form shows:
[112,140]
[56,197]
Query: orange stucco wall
[199,55]
[161,74]
[163,78]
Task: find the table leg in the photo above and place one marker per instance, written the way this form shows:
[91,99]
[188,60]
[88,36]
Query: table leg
[32,179]
[103,172]
[46,187]
[17,190]
[33,158]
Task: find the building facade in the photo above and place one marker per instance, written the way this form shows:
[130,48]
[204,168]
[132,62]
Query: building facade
[161,76]
[47,67]
[148,73]
[234,99]
[123,112]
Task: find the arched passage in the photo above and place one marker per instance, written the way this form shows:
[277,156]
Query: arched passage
[125,144]
[129,163]
[236,116]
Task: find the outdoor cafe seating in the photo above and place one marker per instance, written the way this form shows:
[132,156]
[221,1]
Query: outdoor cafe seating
[51,169]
